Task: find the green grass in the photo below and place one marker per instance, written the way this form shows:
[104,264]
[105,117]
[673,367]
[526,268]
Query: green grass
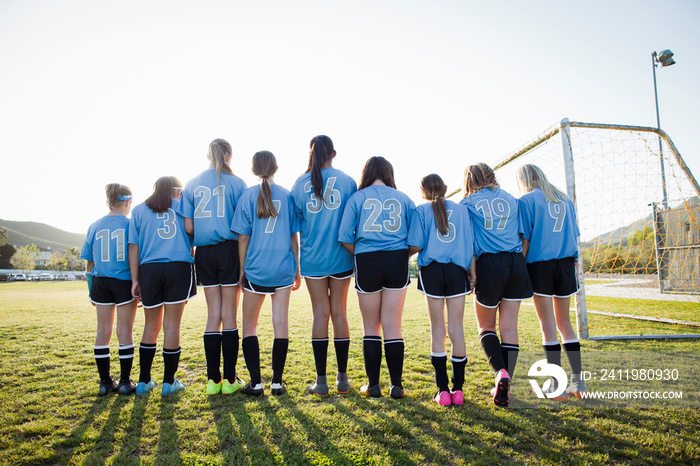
[50,413]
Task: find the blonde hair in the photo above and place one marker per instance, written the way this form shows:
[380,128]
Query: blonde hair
[219,150]
[114,191]
[479,176]
[531,176]
[265,166]
[433,189]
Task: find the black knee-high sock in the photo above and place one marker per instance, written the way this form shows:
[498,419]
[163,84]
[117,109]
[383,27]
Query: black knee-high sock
[212,352]
[573,354]
[280,346]
[147,351]
[372,351]
[171,359]
[492,348]
[342,349]
[510,353]
[102,361]
[439,361]
[230,342]
[553,352]
[251,354]
[126,362]
[320,347]
[458,365]
[393,351]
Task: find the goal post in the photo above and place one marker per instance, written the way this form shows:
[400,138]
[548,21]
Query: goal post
[639,247]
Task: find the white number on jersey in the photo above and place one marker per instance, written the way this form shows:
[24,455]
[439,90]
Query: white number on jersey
[498,208]
[392,224]
[331,197]
[272,221]
[206,195]
[120,236]
[451,230]
[557,210]
[169,226]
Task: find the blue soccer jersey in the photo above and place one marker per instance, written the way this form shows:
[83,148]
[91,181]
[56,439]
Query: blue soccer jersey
[160,237]
[456,247]
[319,219]
[211,203]
[106,245]
[494,215]
[549,226]
[270,260]
[377,219]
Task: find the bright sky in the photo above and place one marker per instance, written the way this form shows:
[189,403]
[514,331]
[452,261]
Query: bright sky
[95,92]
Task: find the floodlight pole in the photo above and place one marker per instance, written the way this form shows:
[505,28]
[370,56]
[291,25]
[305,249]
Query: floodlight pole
[664,201]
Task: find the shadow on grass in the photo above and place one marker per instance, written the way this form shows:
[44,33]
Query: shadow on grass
[130,448]
[64,450]
[168,451]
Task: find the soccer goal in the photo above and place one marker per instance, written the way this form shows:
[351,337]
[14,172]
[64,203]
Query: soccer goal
[638,209]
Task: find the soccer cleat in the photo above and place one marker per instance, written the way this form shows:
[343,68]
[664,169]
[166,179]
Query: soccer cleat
[342,384]
[251,390]
[374,391]
[229,388]
[142,388]
[457,397]
[501,393]
[320,386]
[126,388]
[107,387]
[397,392]
[213,388]
[576,389]
[170,388]
[443,398]
[278,388]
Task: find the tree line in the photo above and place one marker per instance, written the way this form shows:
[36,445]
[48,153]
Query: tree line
[27,257]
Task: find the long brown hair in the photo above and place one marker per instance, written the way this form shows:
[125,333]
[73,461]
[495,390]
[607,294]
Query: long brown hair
[321,150]
[433,189]
[477,177]
[219,151]
[265,166]
[162,197]
[114,191]
[377,168]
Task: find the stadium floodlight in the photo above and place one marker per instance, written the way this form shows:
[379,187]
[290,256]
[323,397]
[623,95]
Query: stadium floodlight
[664,58]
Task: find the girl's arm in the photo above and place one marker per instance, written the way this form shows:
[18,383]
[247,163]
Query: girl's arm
[526,245]
[472,273]
[413,250]
[134,267]
[350,247]
[189,226]
[243,241]
[295,250]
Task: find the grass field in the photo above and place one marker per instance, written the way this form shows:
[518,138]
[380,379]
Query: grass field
[50,413]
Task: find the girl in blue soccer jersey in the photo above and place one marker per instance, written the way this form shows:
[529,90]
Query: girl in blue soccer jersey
[503,280]
[268,245]
[161,262]
[208,204]
[375,229]
[550,246]
[320,196]
[105,251]
[441,232]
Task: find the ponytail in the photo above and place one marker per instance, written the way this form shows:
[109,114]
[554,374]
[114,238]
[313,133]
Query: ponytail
[321,150]
[116,193]
[433,189]
[219,150]
[264,166]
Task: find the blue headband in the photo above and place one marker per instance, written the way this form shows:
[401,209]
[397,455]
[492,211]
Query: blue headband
[124,198]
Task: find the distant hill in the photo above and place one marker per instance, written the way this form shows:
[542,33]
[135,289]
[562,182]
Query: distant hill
[23,234]
[620,236]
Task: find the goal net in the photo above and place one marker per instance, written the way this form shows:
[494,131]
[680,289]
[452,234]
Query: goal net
[639,250]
